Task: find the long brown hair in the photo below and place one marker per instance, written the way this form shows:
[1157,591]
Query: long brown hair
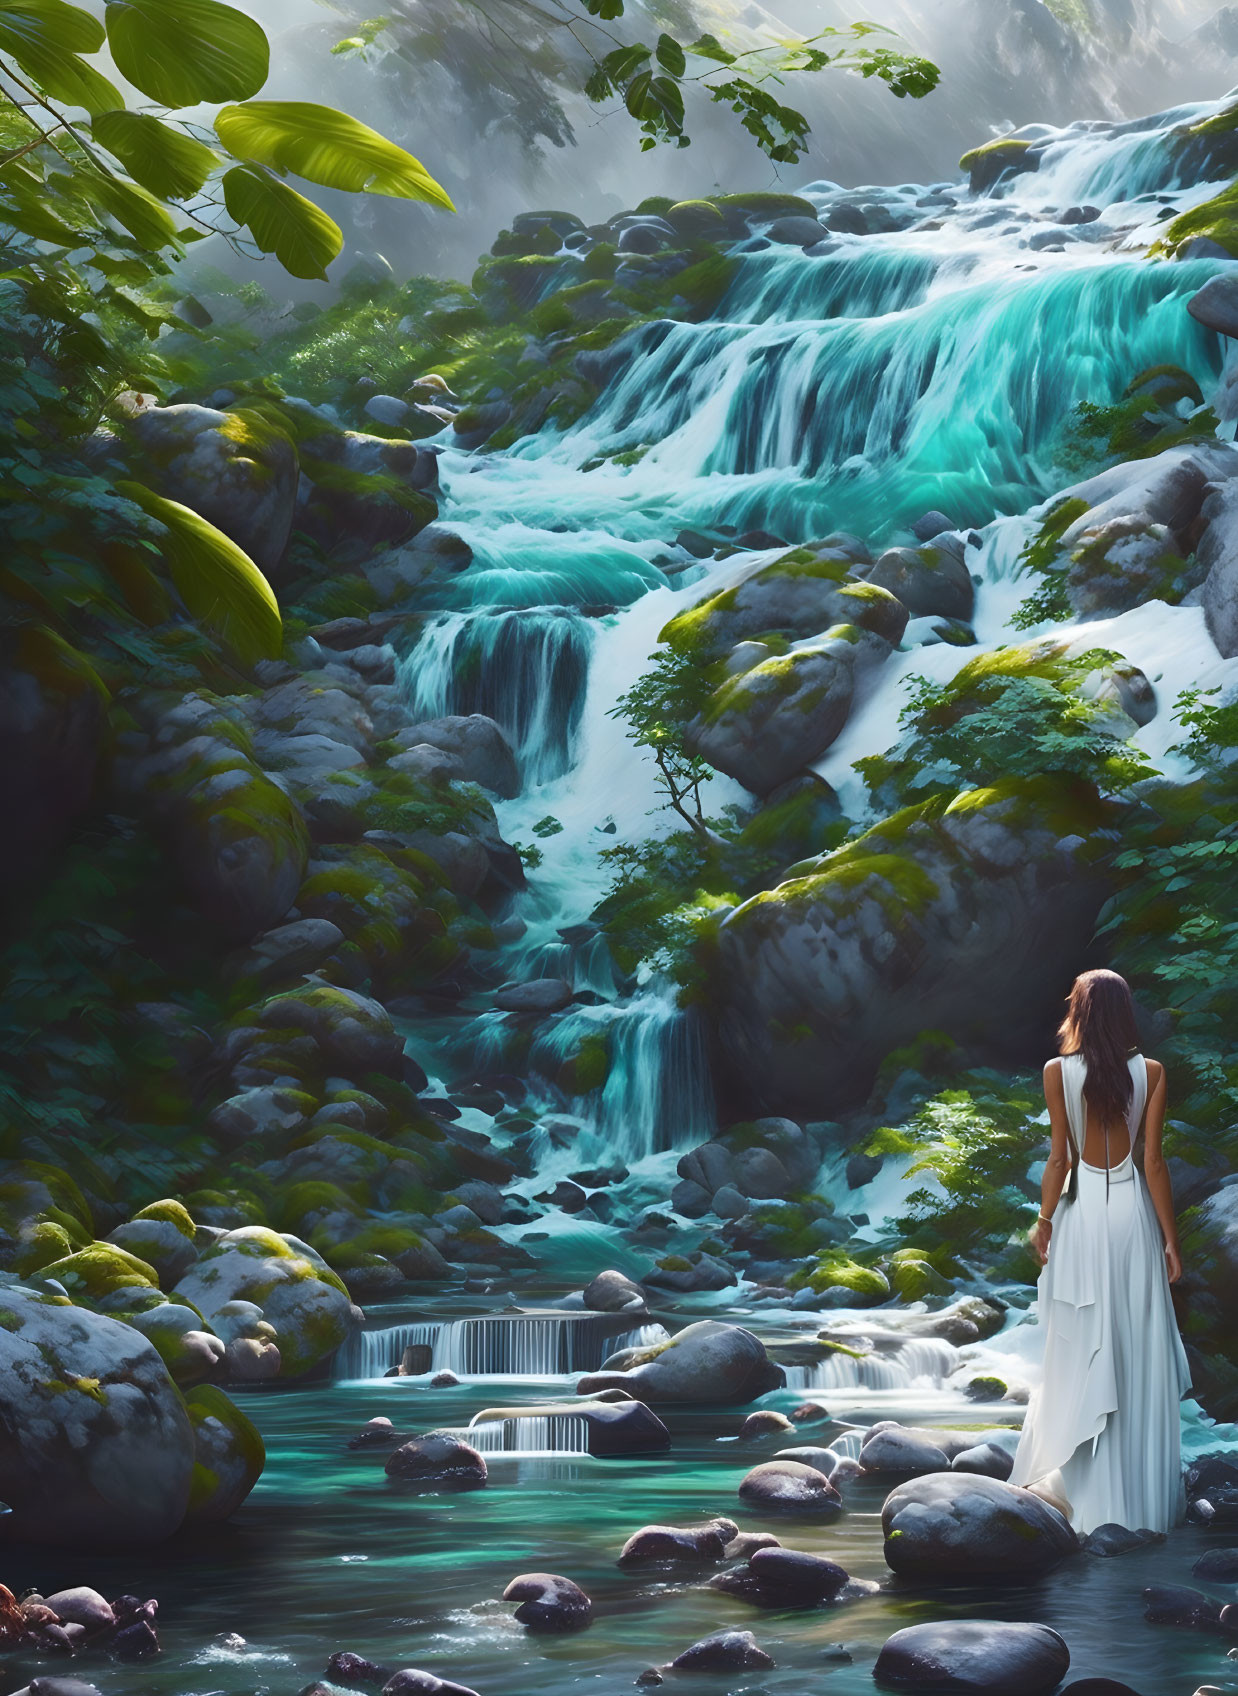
[1100,1025]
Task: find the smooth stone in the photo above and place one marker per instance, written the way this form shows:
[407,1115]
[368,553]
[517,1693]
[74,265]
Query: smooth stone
[764,1423]
[1218,1566]
[725,1651]
[824,1461]
[784,1486]
[974,1658]
[708,1542]
[136,1642]
[1178,1604]
[82,1606]
[1216,305]
[375,1434]
[746,1544]
[799,1572]
[537,995]
[58,1687]
[1118,1540]
[958,1524]
[987,1459]
[438,1457]
[708,1361]
[549,1602]
[346,1667]
[614,1292]
[411,1681]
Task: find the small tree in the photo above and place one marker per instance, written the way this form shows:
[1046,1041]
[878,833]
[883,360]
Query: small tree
[658,708]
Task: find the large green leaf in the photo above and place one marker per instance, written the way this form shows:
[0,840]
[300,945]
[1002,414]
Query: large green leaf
[147,220]
[218,582]
[39,35]
[184,52]
[281,221]
[67,27]
[327,147]
[169,163]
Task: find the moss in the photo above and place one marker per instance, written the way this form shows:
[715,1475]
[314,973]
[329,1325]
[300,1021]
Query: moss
[764,207]
[913,1279]
[1005,149]
[587,1069]
[834,1271]
[170,1213]
[101,1270]
[226,1436]
[44,655]
[47,1242]
[1216,220]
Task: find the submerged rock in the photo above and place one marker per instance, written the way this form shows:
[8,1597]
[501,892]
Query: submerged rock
[725,1651]
[705,1362]
[954,1525]
[672,1543]
[788,1487]
[974,1658]
[411,1681]
[614,1292]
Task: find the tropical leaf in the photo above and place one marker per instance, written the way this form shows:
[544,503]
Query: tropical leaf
[218,582]
[281,221]
[184,52]
[671,55]
[147,220]
[327,147]
[45,37]
[170,164]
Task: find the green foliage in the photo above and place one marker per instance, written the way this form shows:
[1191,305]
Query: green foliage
[1006,715]
[327,147]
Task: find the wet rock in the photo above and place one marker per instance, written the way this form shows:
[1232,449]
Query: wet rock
[932,524]
[910,1449]
[766,1422]
[477,745]
[1216,305]
[725,1651]
[614,1292]
[975,1657]
[439,1458]
[791,1571]
[1217,1566]
[537,995]
[549,1602]
[672,1543]
[746,1543]
[927,580]
[229,1454]
[1118,1540]
[353,1032]
[377,1433]
[796,232]
[136,1642]
[1177,1604]
[411,1681]
[958,1525]
[58,1687]
[809,1413]
[986,1458]
[445,1379]
[787,1487]
[346,1667]
[706,1362]
[824,1461]
[82,1606]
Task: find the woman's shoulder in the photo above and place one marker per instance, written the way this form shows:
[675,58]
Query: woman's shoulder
[1155,1070]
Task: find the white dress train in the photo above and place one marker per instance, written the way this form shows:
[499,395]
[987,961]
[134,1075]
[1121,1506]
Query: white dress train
[1103,1426]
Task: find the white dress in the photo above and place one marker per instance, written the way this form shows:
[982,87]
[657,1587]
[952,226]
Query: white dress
[1102,1428]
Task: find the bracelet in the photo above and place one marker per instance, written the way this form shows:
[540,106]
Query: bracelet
[1041,1217]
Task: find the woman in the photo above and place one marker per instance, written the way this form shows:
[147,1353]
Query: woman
[1102,1429]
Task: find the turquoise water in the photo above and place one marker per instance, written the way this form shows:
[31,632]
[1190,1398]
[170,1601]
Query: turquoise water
[329,1554]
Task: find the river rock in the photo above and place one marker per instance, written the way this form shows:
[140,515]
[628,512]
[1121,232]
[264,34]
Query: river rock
[766,1422]
[962,917]
[164,1236]
[282,955]
[928,580]
[705,1362]
[52,1686]
[1216,304]
[824,1461]
[99,1449]
[974,1658]
[725,1651]
[909,1449]
[229,1454]
[295,1289]
[439,1458]
[82,1606]
[347,1667]
[614,1292]
[536,995]
[667,1543]
[813,1577]
[237,469]
[549,1602]
[787,1487]
[353,1032]
[1217,1566]
[955,1525]
[1177,1604]
[987,1458]
[412,1681]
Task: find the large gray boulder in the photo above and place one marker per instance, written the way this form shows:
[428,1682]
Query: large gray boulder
[705,1362]
[967,917]
[1216,304]
[1217,553]
[95,1444]
[478,748]
[974,1658]
[294,1287]
[769,721]
[930,579]
[963,1525]
[352,1031]
[237,469]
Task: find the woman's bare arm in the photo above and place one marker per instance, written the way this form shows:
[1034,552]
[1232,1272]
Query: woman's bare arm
[1156,1172]
[1057,1166]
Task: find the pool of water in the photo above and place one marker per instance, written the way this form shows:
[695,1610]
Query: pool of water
[328,1554]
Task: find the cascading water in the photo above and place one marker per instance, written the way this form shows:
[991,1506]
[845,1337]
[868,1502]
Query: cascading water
[539,1435]
[920,1362]
[496,1345]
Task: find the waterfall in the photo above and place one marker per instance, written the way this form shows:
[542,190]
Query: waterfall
[525,669]
[544,1434]
[543,1345]
[920,1362]
[1111,163]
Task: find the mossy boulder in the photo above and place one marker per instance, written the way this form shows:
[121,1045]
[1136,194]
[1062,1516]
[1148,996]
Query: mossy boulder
[804,593]
[865,1286]
[915,1279]
[39,1244]
[763,725]
[987,164]
[228,1455]
[293,1286]
[705,1362]
[966,915]
[238,469]
[241,844]
[353,1033]
[164,1236]
[98,1448]
[360,494]
[929,581]
[90,1275]
[746,211]
[31,1191]
[696,220]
